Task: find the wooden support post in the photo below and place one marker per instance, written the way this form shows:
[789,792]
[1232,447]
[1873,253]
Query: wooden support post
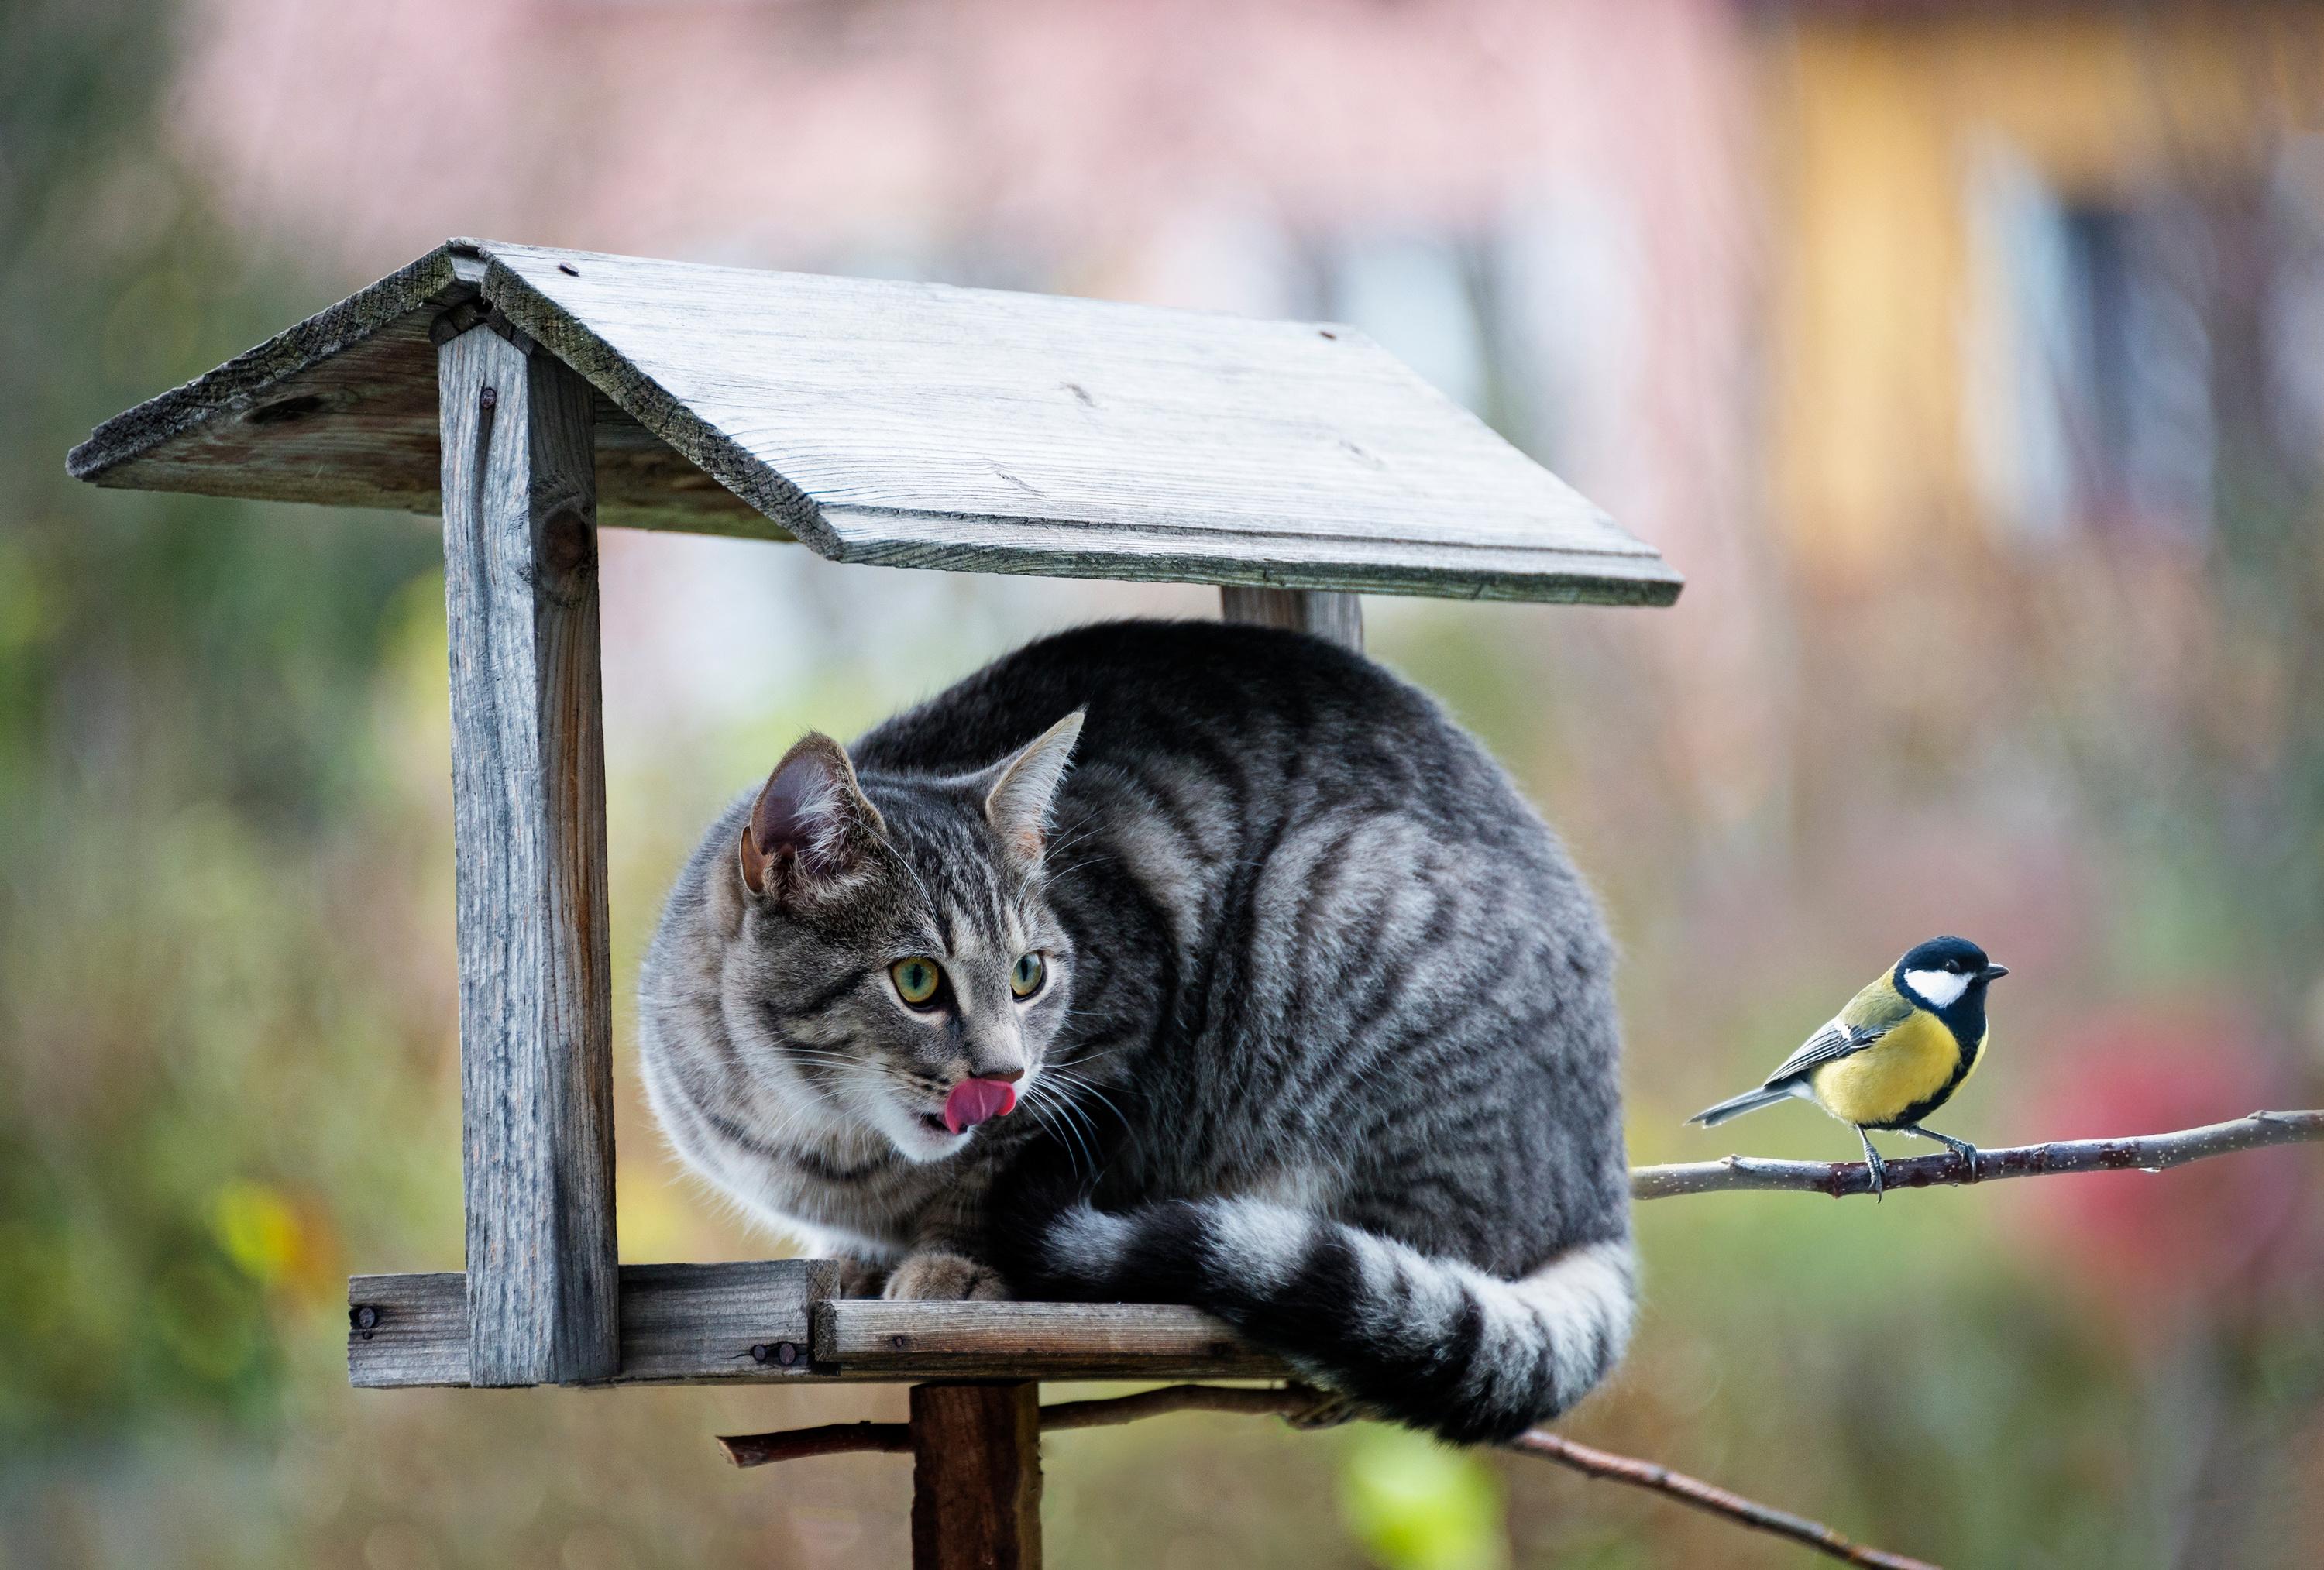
[528,821]
[976,1477]
[1337,617]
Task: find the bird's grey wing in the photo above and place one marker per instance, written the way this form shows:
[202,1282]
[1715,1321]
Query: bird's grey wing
[1870,1014]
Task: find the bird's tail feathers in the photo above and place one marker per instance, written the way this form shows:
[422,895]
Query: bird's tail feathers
[1736,1106]
[1426,1341]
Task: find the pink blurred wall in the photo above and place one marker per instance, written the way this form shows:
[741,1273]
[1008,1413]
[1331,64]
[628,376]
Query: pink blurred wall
[1188,153]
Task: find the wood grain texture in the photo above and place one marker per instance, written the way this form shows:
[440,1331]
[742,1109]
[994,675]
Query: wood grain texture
[696,1324]
[1339,618]
[717,1323]
[341,410]
[914,425]
[690,1323]
[529,825]
[408,1330]
[976,1477]
[1057,1341]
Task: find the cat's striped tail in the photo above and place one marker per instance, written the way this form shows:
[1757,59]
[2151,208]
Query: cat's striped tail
[1428,1342]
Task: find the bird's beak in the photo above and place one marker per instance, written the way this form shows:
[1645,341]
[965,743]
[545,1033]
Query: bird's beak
[1992,973]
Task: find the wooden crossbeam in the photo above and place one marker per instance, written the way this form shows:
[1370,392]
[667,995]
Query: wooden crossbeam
[778,1320]
[1061,1341]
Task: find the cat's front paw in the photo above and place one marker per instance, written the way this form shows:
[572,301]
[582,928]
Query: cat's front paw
[933,1275]
[861,1278]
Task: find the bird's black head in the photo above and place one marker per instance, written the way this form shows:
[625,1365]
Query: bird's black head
[1944,971]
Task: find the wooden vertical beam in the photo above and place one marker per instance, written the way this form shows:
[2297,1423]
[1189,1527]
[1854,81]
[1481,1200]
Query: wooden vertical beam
[976,1477]
[1337,617]
[528,821]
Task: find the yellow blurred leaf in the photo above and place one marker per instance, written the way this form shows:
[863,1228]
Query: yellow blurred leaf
[258,1229]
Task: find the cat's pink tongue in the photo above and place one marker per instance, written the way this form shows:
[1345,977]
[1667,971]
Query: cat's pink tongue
[972,1101]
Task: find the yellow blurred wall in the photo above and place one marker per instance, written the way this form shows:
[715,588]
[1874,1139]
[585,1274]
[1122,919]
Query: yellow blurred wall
[1871,128]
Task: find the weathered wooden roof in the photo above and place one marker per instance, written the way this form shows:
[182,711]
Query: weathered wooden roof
[916,425]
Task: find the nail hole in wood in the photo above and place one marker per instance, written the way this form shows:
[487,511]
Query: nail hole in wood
[568,270]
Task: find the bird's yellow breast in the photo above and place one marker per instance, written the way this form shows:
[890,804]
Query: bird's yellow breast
[1901,1070]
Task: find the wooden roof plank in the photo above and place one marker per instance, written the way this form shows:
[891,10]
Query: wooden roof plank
[920,425]
[341,410]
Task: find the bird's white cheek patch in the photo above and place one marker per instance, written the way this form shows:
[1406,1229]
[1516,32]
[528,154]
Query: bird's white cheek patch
[1939,988]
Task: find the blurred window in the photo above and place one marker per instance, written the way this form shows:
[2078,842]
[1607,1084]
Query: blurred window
[1415,295]
[2090,363]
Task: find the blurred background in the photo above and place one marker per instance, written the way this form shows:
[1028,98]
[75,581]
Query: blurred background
[1967,357]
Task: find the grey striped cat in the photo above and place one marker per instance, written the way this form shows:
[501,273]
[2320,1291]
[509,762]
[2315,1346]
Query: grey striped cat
[1173,962]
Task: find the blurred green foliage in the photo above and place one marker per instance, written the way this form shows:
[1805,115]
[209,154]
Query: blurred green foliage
[199,1048]
[1417,1505]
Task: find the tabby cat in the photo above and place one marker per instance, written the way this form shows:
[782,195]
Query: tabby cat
[1172,962]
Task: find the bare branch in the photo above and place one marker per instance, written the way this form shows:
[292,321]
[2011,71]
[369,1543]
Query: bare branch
[1292,1401]
[2151,1152]
[1703,1496]
[1299,1404]
[831,1439]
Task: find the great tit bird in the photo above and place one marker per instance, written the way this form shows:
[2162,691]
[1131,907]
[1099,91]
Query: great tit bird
[1894,1055]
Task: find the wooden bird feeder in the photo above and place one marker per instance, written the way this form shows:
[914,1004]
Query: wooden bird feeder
[529,395]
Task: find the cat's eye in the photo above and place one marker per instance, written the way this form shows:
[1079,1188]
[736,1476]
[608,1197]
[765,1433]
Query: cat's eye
[1025,979]
[917,980]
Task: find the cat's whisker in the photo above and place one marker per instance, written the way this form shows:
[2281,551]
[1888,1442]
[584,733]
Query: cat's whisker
[1065,1106]
[1067,842]
[1071,1141]
[1079,1119]
[1090,1088]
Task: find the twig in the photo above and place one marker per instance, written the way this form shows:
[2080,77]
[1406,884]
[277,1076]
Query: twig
[2152,1152]
[831,1439]
[2146,1153]
[1703,1496]
[1298,1403]
[1292,1401]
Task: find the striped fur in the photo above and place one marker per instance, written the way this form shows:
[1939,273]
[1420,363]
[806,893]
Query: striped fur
[1327,1046]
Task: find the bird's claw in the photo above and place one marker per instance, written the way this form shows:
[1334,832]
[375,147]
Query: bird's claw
[1873,1165]
[1959,1147]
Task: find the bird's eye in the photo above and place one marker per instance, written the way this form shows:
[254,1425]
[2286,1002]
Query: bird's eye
[917,980]
[1025,978]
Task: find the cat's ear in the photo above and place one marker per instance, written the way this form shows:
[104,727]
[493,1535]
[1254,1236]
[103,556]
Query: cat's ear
[810,822]
[1025,792]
